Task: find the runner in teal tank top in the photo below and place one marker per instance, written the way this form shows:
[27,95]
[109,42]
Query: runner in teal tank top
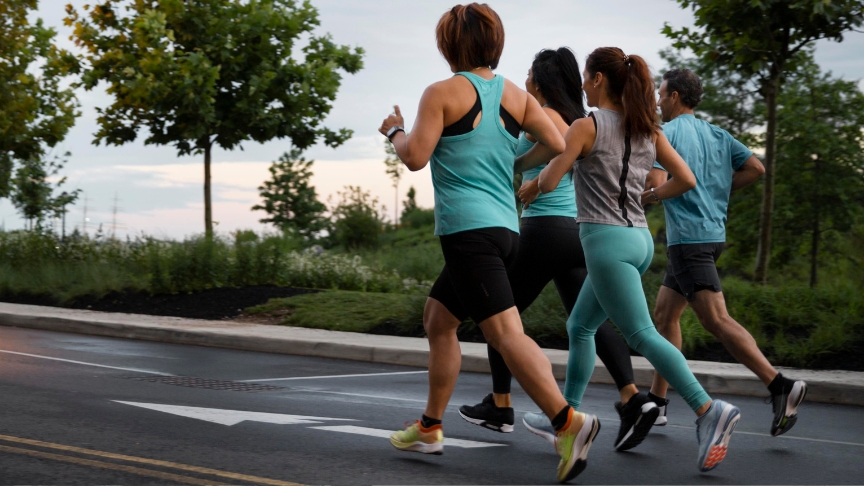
[560,202]
[475,169]
[468,126]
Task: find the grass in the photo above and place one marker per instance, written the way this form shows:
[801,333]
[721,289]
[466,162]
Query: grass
[349,311]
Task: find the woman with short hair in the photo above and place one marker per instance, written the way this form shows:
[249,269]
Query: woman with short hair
[466,129]
[616,147]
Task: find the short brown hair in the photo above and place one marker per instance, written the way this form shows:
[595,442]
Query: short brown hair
[470,36]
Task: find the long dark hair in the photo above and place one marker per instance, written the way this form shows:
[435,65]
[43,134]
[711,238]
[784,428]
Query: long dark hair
[557,75]
[631,84]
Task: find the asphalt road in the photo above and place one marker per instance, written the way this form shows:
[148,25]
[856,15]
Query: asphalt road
[88,410]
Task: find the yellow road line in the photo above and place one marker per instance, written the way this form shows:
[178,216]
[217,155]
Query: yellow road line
[107,465]
[153,462]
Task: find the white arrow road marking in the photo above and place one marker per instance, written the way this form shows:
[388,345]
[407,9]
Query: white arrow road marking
[353,429]
[231,417]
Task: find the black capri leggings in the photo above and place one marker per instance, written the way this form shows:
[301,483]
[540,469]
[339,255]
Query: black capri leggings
[550,249]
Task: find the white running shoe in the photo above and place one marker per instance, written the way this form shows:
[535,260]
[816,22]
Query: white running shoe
[713,431]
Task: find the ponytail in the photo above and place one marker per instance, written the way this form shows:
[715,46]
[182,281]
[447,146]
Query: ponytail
[630,83]
[559,80]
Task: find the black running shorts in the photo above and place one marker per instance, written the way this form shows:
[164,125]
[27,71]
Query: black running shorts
[474,281]
[692,268]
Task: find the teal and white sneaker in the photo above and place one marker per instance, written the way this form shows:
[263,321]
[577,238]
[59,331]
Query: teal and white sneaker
[539,424]
[713,431]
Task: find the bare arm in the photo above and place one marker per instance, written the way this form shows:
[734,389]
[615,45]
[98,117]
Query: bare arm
[415,149]
[538,124]
[541,154]
[580,135]
[749,173]
[682,177]
[656,178]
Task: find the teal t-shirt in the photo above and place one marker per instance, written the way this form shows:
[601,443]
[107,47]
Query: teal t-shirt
[472,173]
[699,215]
[560,202]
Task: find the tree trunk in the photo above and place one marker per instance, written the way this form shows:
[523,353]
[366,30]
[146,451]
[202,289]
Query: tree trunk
[817,210]
[208,205]
[766,213]
[396,206]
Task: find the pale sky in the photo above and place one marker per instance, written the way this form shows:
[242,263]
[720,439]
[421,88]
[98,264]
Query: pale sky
[161,194]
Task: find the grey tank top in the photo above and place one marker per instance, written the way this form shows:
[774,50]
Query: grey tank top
[611,179]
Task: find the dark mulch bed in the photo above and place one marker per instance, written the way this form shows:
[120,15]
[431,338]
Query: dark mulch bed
[213,304]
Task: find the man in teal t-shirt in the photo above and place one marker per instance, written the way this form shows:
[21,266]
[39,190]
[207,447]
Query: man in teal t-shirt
[696,234]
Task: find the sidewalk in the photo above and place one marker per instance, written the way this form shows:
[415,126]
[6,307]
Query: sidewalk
[842,387]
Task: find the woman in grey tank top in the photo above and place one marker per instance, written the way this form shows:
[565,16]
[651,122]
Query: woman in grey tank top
[616,147]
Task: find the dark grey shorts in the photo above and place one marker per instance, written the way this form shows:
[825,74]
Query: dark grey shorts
[692,268]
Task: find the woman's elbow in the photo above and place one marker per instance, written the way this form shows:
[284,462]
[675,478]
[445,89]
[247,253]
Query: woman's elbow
[545,184]
[690,181]
[414,165]
[558,145]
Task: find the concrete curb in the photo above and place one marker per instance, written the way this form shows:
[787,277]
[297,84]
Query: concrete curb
[841,387]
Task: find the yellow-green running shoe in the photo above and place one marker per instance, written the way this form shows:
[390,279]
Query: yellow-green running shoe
[573,445]
[416,438]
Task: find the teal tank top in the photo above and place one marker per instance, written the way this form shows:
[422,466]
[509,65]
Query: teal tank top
[472,173]
[560,202]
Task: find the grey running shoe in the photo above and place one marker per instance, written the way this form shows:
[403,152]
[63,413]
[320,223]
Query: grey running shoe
[713,431]
[786,407]
[637,417]
[539,424]
[486,414]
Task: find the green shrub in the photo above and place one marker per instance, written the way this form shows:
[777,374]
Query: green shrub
[356,219]
[37,263]
[418,218]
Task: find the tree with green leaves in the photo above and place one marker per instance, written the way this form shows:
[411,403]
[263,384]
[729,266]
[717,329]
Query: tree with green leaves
[409,204]
[36,108]
[820,161]
[356,219]
[290,201]
[761,40]
[211,73]
[32,191]
[414,216]
[394,168]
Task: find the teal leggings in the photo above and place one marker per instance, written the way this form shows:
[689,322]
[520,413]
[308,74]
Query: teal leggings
[616,257]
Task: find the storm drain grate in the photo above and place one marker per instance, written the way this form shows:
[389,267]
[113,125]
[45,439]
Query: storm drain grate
[192,382]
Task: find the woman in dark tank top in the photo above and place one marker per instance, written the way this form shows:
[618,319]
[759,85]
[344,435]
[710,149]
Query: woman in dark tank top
[476,221]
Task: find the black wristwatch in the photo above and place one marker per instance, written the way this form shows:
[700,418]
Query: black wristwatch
[393,130]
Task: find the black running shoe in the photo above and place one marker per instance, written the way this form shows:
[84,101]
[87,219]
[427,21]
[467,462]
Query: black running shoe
[637,418]
[486,414]
[786,407]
